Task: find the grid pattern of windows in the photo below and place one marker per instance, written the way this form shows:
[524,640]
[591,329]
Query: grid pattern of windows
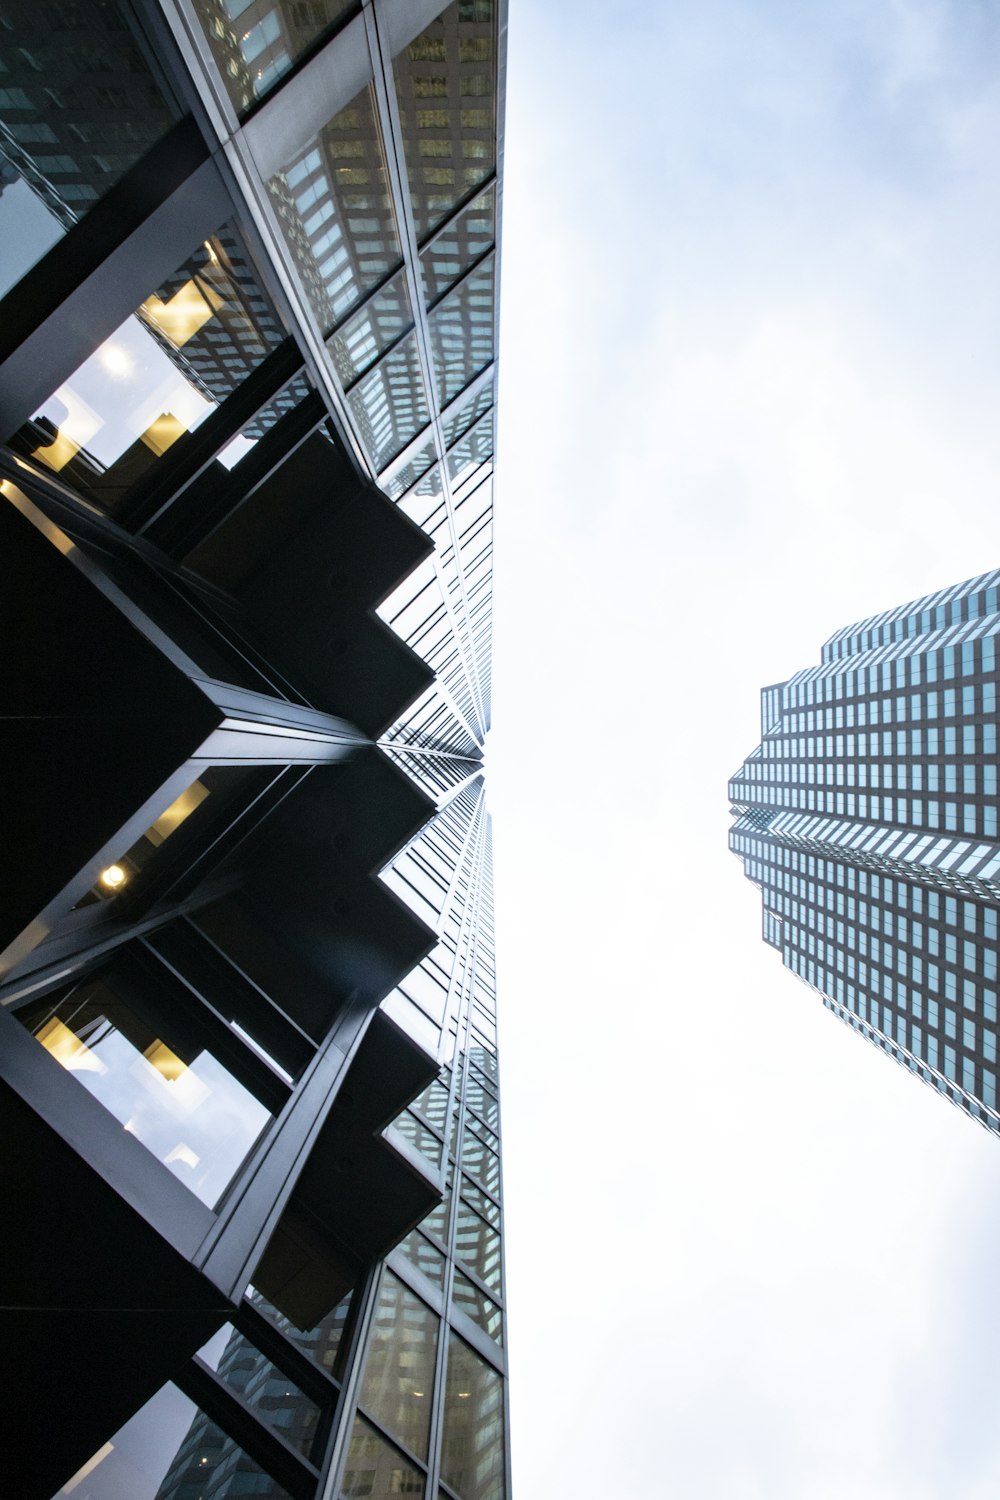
[349,292]
[867,818]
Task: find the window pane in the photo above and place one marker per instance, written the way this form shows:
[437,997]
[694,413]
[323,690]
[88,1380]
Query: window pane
[276,1398]
[411,472]
[419,1136]
[375,1469]
[86,110]
[255,42]
[455,248]
[477,1306]
[399,1371]
[336,213]
[322,1342]
[478,1245]
[478,1159]
[190,344]
[461,329]
[384,319]
[467,415]
[474,449]
[169,1451]
[422,1254]
[446,85]
[472,1443]
[389,403]
[171,1094]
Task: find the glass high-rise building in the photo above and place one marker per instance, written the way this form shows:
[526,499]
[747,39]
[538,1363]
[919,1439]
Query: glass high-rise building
[867,818]
[248,1072]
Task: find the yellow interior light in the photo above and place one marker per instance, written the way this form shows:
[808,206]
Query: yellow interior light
[163,433]
[179,810]
[167,1063]
[113,877]
[68,1050]
[76,428]
[57,454]
[188,310]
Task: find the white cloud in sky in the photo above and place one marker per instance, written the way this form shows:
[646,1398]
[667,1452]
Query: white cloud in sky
[749,393]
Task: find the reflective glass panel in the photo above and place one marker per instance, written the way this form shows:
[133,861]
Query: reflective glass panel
[481,1201]
[377,1470]
[478,1245]
[384,318]
[410,473]
[425,504]
[446,86]
[432,1104]
[285,401]
[478,1159]
[171,1094]
[466,415]
[451,253]
[421,1253]
[117,877]
[436,1221]
[322,1342]
[472,1443]
[85,109]
[263,1386]
[477,1306]
[472,450]
[419,1136]
[169,1451]
[483,1102]
[255,42]
[158,376]
[389,403]
[336,213]
[461,329]
[399,1370]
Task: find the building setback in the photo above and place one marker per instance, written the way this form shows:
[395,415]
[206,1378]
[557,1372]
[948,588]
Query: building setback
[248,1064]
[867,818]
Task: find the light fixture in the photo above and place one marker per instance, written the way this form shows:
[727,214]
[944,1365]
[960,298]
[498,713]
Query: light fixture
[115,359]
[113,877]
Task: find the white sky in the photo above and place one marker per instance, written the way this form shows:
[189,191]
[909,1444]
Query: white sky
[750,381]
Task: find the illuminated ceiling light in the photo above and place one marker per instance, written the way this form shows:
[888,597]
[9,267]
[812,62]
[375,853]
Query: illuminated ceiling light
[115,359]
[189,309]
[113,877]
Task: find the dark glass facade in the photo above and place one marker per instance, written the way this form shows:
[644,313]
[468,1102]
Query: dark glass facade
[867,818]
[248,311]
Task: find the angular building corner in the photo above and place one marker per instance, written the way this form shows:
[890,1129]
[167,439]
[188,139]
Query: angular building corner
[867,819]
[248,1072]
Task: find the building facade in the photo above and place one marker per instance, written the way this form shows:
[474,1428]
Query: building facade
[867,818]
[248,314]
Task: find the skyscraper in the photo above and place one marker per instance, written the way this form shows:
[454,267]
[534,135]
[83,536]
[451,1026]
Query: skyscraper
[248,1072]
[867,818]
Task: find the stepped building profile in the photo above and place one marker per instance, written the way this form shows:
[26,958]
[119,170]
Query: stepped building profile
[867,819]
[248,1072]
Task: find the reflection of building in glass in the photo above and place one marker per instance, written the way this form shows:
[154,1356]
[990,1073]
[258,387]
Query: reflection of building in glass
[247,378]
[867,818]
